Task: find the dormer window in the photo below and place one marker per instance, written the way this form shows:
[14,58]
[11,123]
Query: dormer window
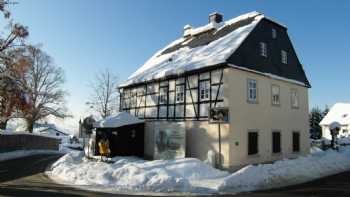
[263,49]
[284,57]
[274,33]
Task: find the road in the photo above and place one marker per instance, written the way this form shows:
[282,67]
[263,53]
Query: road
[25,177]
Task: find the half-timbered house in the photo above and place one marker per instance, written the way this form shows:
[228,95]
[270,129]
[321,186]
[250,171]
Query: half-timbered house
[247,65]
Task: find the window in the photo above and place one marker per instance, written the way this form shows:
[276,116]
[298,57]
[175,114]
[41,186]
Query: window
[276,142]
[275,91]
[133,133]
[284,57]
[252,91]
[296,141]
[179,93]
[274,33]
[252,143]
[163,97]
[204,90]
[263,49]
[294,99]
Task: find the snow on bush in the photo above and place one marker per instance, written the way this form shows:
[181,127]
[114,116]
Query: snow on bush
[192,175]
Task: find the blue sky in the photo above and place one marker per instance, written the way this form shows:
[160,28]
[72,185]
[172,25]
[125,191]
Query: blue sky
[85,36]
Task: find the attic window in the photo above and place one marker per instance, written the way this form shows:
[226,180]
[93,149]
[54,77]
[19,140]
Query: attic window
[274,33]
[284,57]
[263,49]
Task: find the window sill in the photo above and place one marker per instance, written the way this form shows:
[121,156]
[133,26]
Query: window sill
[252,102]
[277,154]
[254,155]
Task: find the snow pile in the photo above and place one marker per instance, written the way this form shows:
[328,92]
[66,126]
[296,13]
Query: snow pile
[24,153]
[344,141]
[288,172]
[130,174]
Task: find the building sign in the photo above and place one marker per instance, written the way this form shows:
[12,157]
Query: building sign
[170,143]
[218,115]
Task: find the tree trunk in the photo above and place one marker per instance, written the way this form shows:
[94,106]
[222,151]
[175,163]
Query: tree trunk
[3,124]
[30,126]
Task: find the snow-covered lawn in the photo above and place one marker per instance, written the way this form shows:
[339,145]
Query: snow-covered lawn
[128,174]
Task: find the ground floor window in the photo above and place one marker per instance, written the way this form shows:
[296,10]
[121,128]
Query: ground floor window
[276,142]
[296,141]
[252,142]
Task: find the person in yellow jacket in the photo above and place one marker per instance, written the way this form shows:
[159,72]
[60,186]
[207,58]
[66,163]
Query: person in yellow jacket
[103,147]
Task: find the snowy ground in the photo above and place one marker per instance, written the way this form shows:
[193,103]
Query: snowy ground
[128,174]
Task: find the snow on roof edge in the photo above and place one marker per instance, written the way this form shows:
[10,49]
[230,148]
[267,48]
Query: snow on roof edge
[118,120]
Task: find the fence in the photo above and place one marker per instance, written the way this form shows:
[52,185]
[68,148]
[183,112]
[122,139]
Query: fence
[27,142]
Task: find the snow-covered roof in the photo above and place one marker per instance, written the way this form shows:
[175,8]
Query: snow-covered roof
[340,112]
[117,120]
[182,55]
[41,127]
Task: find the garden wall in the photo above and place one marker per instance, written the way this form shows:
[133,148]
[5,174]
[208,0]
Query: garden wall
[14,142]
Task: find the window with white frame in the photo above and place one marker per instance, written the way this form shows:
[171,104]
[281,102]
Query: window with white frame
[263,49]
[284,57]
[180,93]
[163,97]
[294,99]
[204,89]
[252,90]
[275,94]
[274,33]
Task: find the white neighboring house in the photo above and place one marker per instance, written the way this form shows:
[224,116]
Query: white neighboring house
[48,129]
[340,112]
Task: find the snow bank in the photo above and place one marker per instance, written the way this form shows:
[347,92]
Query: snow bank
[288,172]
[24,153]
[129,174]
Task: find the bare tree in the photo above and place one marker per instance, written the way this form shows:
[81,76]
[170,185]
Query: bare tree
[104,95]
[43,82]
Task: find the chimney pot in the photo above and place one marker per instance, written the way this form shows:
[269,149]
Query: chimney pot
[215,17]
[187,30]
